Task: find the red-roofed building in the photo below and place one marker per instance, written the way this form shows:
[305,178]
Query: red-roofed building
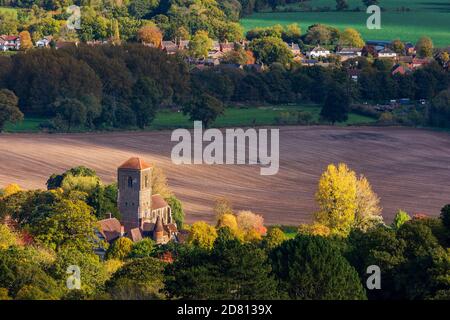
[140,209]
[418,63]
[399,69]
[8,42]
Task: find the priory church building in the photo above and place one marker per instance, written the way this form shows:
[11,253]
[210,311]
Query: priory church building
[143,214]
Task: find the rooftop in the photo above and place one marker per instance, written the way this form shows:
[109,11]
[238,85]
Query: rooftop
[135,163]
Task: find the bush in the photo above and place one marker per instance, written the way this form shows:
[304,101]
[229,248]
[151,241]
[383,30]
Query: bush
[120,249]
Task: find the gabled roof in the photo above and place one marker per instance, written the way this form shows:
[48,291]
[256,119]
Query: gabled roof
[350,49]
[168,44]
[110,228]
[420,61]
[10,38]
[158,202]
[135,163]
[400,69]
[319,48]
[386,50]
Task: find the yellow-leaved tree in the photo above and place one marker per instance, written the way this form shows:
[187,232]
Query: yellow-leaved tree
[150,34]
[10,189]
[351,37]
[345,202]
[202,235]
[368,209]
[229,220]
[7,237]
[336,198]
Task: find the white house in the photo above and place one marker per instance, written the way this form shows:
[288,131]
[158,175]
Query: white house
[43,43]
[386,53]
[318,52]
[9,42]
[349,53]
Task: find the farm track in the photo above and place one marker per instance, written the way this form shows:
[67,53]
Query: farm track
[408,168]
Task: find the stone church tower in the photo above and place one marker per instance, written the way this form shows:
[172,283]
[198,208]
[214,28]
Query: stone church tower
[134,181]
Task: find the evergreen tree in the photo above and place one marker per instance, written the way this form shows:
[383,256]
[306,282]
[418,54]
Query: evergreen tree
[310,268]
[336,106]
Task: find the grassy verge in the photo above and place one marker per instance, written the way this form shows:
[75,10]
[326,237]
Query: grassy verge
[27,125]
[233,117]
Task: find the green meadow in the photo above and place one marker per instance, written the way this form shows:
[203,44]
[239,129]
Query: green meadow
[233,117]
[259,116]
[424,18]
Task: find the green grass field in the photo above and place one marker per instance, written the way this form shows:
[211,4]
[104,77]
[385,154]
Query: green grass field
[232,117]
[27,125]
[249,117]
[426,18]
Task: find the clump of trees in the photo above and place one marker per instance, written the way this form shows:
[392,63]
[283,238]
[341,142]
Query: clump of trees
[346,202]
[235,259]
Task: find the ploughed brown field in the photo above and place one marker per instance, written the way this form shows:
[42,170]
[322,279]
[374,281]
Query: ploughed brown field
[408,168]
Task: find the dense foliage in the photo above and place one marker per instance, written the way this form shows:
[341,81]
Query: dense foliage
[123,86]
[44,232]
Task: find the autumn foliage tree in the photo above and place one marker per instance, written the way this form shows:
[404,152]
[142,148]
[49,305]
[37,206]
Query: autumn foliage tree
[10,189]
[424,47]
[351,37]
[25,40]
[251,224]
[151,35]
[368,210]
[336,198]
[222,206]
[202,235]
[345,202]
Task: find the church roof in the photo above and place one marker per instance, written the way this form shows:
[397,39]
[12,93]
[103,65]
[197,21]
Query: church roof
[135,163]
[158,202]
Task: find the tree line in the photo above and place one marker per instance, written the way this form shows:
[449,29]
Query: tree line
[124,86]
